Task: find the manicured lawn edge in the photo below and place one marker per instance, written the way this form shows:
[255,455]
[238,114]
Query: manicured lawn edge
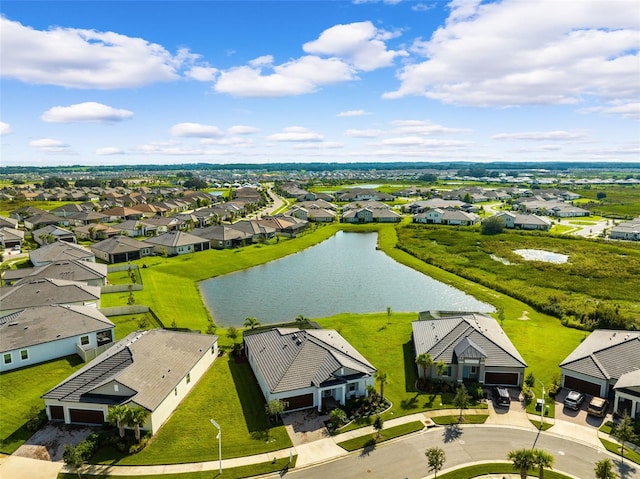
[455,419]
[615,448]
[545,426]
[368,440]
[280,465]
[478,470]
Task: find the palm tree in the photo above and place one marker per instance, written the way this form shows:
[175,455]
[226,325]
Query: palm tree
[442,368]
[251,323]
[136,417]
[425,361]
[117,416]
[522,459]
[435,458]
[604,470]
[382,379]
[300,319]
[543,460]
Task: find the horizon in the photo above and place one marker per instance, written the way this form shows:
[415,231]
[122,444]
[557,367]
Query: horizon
[146,83]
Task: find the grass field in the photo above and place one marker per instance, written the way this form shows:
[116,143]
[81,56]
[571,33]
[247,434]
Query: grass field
[479,470]
[369,440]
[621,201]
[21,389]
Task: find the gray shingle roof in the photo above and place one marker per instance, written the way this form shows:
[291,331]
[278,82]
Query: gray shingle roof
[176,238]
[43,324]
[151,363]
[45,291]
[73,270]
[60,250]
[290,358]
[605,354]
[629,380]
[120,244]
[474,334]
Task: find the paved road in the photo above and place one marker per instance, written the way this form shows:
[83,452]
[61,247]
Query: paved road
[405,458]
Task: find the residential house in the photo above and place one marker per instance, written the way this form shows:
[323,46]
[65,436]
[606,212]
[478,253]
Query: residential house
[318,215]
[120,249]
[93,274]
[311,368]
[627,394]
[47,291]
[368,212]
[8,222]
[629,230]
[473,347]
[134,228]
[222,237]
[95,232]
[446,217]
[122,213]
[11,238]
[59,251]
[524,221]
[52,233]
[288,226]
[25,212]
[175,243]
[363,194]
[164,223]
[34,335]
[258,231]
[39,221]
[87,218]
[153,369]
[599,361]
[67,210]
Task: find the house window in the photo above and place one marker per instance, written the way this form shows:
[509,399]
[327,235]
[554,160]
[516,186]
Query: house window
[448,373]
[175,392]
[7,358]
[353,387]
[213,349]
[474,369]
[326,393]
[84,340]
[116,387]
[188,378]
[24,354]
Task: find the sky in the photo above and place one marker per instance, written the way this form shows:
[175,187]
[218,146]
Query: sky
[172,82]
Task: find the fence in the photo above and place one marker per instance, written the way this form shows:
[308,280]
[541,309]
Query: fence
[91,354]
[120,310]
[118,288]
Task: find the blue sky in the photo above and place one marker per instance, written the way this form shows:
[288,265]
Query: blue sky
[144,82]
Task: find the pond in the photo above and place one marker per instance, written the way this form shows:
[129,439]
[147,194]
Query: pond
[541,255]
[345,273]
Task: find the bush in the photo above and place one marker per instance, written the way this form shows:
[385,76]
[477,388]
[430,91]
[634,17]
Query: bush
[36,418]
[492,226]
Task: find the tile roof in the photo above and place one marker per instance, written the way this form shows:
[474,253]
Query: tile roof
[151,363]
[472,334]
[71,270]
[290,358]
[605,354]
[629,380]
[42,324]
[45,291]
[120,244]
[175,238]
[60,250]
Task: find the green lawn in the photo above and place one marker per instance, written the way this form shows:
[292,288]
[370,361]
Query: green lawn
[615,448]
[478,470]
[455,419]
[227,393]
[128,323]
[21,389]
[369,440]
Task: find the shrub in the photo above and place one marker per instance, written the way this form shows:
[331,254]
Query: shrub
[492,226]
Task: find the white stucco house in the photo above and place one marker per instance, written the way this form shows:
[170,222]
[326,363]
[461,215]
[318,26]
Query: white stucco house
[306,368]
[35,335]
[627,394]
[152,369]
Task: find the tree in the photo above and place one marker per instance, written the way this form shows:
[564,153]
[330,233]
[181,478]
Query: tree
[338,417]
[461,399]
[601,195]
[300,320]
[425,361]
[275,407]
[389,314]
[382,379]
[624,432]
[232,332]
[435,458]
[251,323]
[136,417]
[492,226]
[378,425]
[542,460]
[530,380]
[442,368]
[604,470]
[117,416]
[73,458]
[523,460]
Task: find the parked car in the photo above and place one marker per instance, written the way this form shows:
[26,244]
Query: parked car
[574,400]
[598,407]
[501,397]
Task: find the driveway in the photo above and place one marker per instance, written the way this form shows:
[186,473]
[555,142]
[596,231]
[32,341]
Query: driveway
[577,417]
[48,443]
[305,426]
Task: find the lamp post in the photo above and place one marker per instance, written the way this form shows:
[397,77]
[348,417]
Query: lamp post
[542,405]
[219,438]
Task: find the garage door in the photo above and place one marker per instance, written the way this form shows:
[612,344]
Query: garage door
[299,402]
[581,385]
[57,413]
[86,416]
[503,379]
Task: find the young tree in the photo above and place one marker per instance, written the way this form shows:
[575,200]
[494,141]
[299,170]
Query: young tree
[136,417]
[382,379]
[604,470]
[542,460]
[461,399]
[300,320]
[442,368]
[378,425]
[274,408]
[232,332]
[73,458]
[624,432]
[435,458]
[425,361]
[389,314]
[251,323]
[492,226]
[117,416]
[523,460]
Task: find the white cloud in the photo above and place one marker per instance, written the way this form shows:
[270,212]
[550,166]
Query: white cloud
[109,151]
[323,145]
[202,73]
[79,58]
[5,128]
[419,141]
[296,77]
[353,113]
[50,145]
[242,130]
[629,110]
[371,133]
[422,7]
[535,52]
[195,130]
[296,133]
[557,135]
[421,127]
[361,44]
[88,111]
